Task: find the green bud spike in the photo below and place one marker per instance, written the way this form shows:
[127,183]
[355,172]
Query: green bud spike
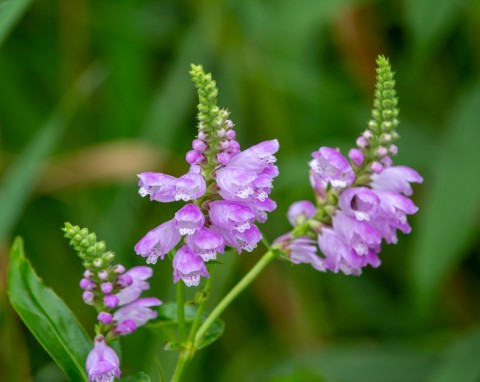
[210,116]
[85,243]
[385,109]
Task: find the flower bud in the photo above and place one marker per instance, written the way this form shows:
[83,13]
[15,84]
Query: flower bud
[105,318]
[110,301]
[88,297]
[356,156]
[377,167]
[106,287]
[103,275]
[87,284]
[98,263]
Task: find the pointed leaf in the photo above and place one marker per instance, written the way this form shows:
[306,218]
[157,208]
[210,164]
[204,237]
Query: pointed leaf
[46,315]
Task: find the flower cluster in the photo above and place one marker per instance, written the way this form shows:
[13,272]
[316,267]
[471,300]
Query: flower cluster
[115,294]
[359,203]
[228,190]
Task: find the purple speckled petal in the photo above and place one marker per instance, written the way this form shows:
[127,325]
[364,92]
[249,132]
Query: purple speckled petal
[158,242]
[102,362]
[396,179]
[190,186]
[257,157]
[159,186]
[206,243]
[138,312]
[300,211]
[138,275]
[189,219]
[332,167]
[360,202]
[188,266]
[231,215]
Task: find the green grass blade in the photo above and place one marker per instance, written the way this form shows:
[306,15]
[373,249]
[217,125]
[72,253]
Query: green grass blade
[446,222]
[10,13]
[20,177]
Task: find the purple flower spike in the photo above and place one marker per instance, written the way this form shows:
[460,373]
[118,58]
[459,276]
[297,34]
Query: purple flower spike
[159,186]
[158,241]
[206,243]
[135,314]
[138,275]
[300,211]
[231,216]
[332,167]
[188,266]
[102,363]
[189,187]
[189,219]
[396,179]
[360,202]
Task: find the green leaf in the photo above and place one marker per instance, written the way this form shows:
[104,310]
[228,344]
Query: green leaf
[461,361]
[46,316]
[10,13]
[165,326]
[446,220]
[139,377]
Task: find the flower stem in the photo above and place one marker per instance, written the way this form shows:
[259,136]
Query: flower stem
[182,329]
[184,358]
[234,292]
[201,306]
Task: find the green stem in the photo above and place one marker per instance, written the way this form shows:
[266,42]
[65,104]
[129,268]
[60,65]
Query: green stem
[182,329]
[183,359]
[234,292]
[201,306]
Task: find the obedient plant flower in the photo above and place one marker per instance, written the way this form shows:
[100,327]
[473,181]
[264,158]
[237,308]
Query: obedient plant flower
[102,362]
[114,292]
[228,191]
[359,203]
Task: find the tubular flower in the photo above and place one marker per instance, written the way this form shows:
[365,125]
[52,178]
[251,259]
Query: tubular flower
[228,190]
[359,203]
[102,363]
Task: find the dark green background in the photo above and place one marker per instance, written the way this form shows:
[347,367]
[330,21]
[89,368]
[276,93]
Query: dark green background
[93,92]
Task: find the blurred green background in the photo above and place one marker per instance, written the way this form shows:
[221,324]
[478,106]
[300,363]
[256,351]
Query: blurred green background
[93,92]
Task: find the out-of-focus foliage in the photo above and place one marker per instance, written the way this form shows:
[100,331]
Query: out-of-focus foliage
[93,92]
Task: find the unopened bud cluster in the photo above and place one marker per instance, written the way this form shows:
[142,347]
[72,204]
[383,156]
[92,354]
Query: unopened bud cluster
[376,144]
[215,144]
